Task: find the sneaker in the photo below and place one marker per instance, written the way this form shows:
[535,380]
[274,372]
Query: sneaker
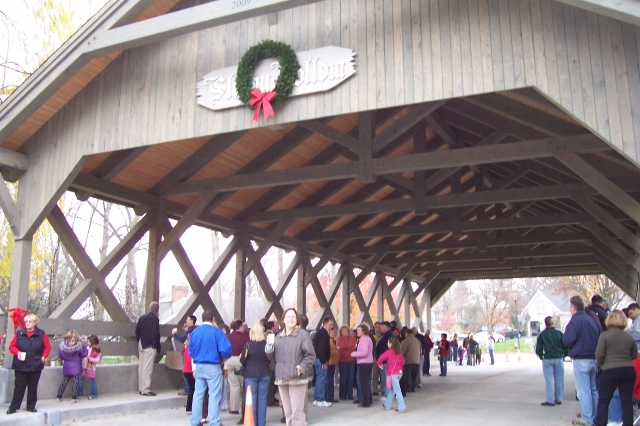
[315,403]
[92,397]
[324,404]
[581,422]
[614,424]
[404,410]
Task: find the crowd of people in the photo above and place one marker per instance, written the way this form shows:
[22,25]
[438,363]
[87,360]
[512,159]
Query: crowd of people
[605,361]
[220,362]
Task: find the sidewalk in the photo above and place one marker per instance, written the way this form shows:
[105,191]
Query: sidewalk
[504,394]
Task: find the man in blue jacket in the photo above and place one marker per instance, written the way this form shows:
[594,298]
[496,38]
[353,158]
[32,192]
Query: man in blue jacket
[209,348]
[581,336]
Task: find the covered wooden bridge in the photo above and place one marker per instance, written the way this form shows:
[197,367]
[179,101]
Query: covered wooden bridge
[476,139]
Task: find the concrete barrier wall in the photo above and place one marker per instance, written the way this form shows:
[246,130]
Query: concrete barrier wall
[110,379]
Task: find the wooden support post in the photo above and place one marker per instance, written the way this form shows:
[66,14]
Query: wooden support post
[10,208]
[239,303]
[152,281]
[407,303]
[345,296]
[382,288]
[301,300]
[426,302]
[19,291]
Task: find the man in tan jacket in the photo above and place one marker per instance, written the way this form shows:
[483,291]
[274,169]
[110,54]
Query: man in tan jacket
[411,349]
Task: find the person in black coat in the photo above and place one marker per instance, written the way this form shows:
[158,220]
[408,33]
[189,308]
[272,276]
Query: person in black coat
[29,346]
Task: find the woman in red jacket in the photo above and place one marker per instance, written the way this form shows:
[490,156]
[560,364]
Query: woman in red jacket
[346,363]
[30,346]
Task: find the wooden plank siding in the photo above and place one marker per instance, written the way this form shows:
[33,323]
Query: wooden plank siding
[407,52]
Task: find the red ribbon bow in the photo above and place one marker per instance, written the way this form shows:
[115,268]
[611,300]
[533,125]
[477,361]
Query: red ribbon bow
[17,316]
[260,99]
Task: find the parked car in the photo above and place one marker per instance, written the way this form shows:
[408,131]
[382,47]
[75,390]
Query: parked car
[482,337]
[512,333]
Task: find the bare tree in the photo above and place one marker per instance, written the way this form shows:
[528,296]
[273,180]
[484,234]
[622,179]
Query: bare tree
[492,297]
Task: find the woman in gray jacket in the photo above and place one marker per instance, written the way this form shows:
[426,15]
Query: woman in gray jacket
[294,356]
[614,355]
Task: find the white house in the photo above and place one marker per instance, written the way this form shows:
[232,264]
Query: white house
[545,303]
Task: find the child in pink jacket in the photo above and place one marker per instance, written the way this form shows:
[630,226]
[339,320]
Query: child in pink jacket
[395,361]
[89,364]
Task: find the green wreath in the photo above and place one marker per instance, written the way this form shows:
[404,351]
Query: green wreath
[289,67]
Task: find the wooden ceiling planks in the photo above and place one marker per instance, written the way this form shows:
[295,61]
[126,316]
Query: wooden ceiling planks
[75,84]
[471,121]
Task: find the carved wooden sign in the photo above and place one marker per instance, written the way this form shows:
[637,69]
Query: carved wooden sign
[320,70]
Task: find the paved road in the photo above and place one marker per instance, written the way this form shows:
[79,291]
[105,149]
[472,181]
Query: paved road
[504,394]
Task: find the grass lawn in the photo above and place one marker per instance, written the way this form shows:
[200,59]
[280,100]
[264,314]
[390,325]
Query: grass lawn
[509,345]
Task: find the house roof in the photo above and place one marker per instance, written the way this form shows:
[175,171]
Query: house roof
[559,302]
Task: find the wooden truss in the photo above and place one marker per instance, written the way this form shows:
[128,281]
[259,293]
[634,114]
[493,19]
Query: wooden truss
[418,196]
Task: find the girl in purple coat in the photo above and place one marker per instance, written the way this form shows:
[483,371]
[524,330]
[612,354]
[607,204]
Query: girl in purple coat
[71,351]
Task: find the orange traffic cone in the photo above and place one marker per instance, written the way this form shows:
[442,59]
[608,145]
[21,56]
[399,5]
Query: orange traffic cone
[248,409]
[483,358]
[507,360]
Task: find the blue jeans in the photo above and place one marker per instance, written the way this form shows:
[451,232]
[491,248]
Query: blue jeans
[395,391]
[584,372]
[443,364]
[321,381]
[259,391]
[329,389]
[493,361]
[553,370]
[615,408]
[383,380]
[346,379]
[207,375]
[92,383]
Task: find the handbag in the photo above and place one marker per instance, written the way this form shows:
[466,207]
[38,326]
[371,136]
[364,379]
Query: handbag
[173,360]
[243,360]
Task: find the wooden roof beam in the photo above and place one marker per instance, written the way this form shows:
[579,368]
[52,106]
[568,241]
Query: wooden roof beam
[471,243]
[523,273]
[603,185]
[109,168]
[185,21]
[463,257]
[513,265]
[438,201]
[391,165]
